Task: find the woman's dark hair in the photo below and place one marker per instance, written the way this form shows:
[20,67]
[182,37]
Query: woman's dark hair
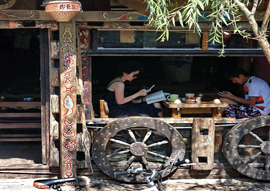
[128,67]
[234,72]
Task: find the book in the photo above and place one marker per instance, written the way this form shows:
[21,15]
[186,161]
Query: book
[156,97]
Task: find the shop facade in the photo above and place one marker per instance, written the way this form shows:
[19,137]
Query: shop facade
[70,64]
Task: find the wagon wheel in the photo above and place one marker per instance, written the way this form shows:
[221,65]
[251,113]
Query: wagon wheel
[247,148]
[139,142]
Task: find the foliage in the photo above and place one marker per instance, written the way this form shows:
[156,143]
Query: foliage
[223,13]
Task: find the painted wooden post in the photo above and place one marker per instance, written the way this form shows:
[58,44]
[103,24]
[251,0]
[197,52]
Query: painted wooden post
[68,101]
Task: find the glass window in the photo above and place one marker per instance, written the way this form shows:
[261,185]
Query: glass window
[147,39]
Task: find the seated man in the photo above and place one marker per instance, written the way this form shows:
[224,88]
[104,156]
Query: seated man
[257,95]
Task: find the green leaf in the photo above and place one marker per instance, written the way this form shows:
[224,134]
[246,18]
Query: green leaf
[224,20]
[180,19]
[161,36]
[201,4]
[173,21]
[198,12]
[167,34]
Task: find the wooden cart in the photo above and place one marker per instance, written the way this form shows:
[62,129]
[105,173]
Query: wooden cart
[156,142]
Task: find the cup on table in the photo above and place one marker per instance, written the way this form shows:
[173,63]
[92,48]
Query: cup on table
[198,99]
[189,96]
[172,97]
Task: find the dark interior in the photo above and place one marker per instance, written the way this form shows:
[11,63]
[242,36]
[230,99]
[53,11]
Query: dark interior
[20,64]
[204,75]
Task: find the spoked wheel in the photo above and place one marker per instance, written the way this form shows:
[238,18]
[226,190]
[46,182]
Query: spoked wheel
[247,148]
[139,142]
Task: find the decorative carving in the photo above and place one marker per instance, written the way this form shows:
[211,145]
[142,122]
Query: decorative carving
[67,35]
[20,14]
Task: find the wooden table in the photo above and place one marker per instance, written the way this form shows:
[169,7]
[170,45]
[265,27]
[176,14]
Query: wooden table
[203,107]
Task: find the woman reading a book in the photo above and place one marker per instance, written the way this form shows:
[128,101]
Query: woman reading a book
[120,103]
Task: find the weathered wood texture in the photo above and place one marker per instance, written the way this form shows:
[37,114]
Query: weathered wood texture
[54,76]
[83,140]
[54,82]
[55,104]
[220,120]
[14,18]
[202,144]
[45,94]
[205,36]
[83,137]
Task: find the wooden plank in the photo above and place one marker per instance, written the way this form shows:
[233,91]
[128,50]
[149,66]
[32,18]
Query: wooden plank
[19,139]
[221,120]
[44,94]
[20,115]
[19,135]
[20,126]
[25,104]
[205,37]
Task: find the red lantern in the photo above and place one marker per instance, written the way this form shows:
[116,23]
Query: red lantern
[61,10]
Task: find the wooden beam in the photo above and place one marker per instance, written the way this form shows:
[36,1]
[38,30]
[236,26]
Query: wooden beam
[93,16]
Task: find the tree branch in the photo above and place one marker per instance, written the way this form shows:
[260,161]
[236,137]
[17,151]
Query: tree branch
[266,18]
[250,17]
[254,7]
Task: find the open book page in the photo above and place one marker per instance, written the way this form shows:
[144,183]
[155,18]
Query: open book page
[155,97]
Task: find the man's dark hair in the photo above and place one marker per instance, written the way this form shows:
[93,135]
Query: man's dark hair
[234,72]
[128,67]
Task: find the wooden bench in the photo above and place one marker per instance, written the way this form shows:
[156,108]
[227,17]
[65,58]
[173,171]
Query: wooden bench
[13,116]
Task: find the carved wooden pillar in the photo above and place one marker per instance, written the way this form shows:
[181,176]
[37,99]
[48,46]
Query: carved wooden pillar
[68,99]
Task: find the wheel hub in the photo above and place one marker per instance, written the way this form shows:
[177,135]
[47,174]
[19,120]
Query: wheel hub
[265,147]
[138,149]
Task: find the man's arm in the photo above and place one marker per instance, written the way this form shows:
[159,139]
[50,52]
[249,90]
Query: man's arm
[251,101]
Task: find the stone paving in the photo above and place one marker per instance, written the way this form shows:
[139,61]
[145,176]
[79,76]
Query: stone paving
[13,154]
[92,184]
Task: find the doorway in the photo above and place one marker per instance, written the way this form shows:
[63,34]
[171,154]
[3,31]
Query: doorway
[20,114]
